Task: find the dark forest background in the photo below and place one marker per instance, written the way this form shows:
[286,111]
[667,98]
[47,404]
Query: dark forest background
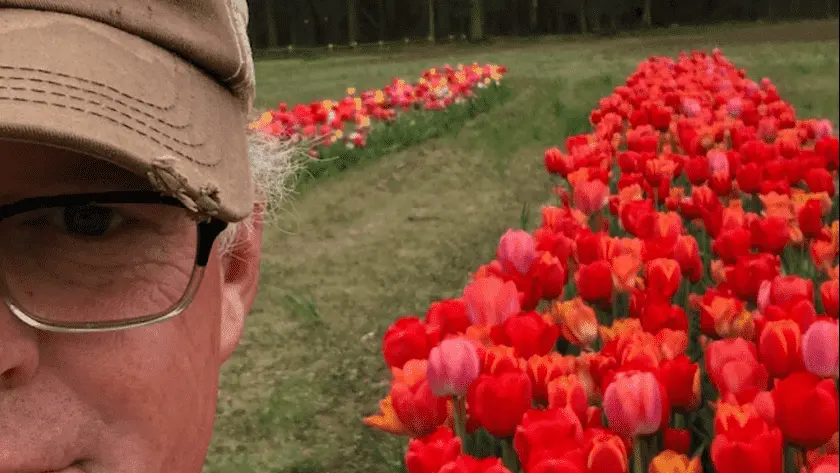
[280,23]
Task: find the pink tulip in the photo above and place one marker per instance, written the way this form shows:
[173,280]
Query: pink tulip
[633,404]
[453,366]
[591,196]
[819,348]
[718,162]
[517,251]
[491,301]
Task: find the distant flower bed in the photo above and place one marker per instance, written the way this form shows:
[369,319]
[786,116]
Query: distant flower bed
[378,121]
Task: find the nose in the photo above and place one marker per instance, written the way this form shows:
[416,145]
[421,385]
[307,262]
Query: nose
[18,351]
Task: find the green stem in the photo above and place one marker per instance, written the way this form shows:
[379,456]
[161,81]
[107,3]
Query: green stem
[509,456]
[639,464]
[459,410]
[794,458]
[678,419]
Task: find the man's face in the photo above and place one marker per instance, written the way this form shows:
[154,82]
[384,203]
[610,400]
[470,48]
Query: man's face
[141,400]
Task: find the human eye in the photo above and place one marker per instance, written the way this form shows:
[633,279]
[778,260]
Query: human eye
[87,221]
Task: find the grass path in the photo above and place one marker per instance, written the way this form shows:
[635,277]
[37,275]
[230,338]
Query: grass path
[386,238]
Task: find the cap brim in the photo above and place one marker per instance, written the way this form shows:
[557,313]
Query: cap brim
[81,85]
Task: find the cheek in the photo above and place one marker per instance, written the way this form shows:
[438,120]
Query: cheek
[155,385]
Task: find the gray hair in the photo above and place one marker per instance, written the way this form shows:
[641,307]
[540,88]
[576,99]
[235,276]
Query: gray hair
[274,165]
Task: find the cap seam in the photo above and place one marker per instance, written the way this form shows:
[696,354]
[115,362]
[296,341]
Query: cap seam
[107,107]
[98,94]
[120,123]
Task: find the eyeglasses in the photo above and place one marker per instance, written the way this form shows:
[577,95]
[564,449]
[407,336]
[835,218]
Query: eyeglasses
[101,262]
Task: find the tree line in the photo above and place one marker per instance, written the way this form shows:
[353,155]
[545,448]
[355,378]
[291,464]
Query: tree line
[280,23]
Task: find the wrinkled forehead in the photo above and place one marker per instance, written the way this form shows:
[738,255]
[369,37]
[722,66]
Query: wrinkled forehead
[32,170]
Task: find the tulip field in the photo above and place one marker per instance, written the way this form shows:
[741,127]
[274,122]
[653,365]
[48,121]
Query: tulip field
[623,260]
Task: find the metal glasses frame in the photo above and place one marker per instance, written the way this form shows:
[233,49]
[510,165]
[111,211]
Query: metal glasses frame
[208,232]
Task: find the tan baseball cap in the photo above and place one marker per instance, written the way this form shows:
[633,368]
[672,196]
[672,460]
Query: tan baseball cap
[160,87]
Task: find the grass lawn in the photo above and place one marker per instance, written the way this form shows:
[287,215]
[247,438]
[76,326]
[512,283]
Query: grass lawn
[386,238]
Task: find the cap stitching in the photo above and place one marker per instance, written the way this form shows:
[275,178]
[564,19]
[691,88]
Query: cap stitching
[89,81]
[129,106]
[110,108]
[117,122]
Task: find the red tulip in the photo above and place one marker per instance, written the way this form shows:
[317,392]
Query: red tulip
[697,170]
[639,218]
[780,347]
[733,368]
[633,404]
[732,243]
[749,178]
[819,180]
[417,408]
[826,464]
[591,196]
[745,443]
[528,333]
[687,254]
[408,339]
[829,291]
[827,146]
[806,409]
[770,235]
[427,454]
[558,163]
[450,316]
[517,251]
[594,281]
[809,217]
[746,276]
[453,366]
[678,440]
[785,288]
[681,379]
[490,301]
[544,434]
[498,402]
[663,277]
[820,347]
[467,464]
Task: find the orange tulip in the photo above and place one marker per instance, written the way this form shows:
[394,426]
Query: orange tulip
[577,321]
[671,343]
[568,392]
[544,369]
[625,270]
[670,461]
[605,452]
[620,327]
[387,419]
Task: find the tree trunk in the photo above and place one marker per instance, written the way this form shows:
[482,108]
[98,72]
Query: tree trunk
[582,17]
[380,14]
[352,22]
[271,23]
[477,20]
[431,20]
[647,19]
[533,16]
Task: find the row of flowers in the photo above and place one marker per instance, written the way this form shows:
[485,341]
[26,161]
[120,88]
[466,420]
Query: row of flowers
[375,122]
[676,311]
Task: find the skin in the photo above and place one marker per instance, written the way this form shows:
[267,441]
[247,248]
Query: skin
[135,401]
